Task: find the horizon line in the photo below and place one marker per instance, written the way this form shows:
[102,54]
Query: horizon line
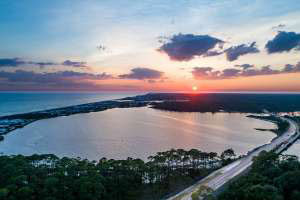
[150,91]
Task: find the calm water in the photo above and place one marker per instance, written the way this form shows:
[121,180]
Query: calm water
[136,132]
[21,102]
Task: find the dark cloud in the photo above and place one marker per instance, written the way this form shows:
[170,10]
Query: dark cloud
[288,68]
[292,68]
[208,73]
[68,77]
[74,63]
[245,66]
[142,74]
[61,80]
[16,62]
[234,52]
[83,75]
[266,70]
[184,47]
[42,64]
[283,41]
[11,62]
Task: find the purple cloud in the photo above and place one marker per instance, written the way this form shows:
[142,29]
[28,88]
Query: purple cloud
[74,63]
[21,76]
[208,73]
[142,73]
[184,47]
[230,72]
[292,68]
[213,53]
[265,70]
[234,52]
[16,62]
[42,64]
[204,73]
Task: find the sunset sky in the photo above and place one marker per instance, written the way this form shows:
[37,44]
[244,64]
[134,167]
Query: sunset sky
[150,45]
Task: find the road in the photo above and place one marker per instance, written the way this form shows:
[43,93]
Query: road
[218,178]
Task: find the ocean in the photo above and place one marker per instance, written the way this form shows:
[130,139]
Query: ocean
[22,102]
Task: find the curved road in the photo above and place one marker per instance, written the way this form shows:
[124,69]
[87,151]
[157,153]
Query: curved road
[218,178]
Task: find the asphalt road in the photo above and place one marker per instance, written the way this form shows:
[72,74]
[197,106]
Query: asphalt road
[218,178]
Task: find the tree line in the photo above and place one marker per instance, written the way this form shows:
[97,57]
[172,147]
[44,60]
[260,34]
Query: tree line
[48,177]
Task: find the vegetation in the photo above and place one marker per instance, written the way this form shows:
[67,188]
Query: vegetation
[272,177]
[215,102]
[47,177]
[203,192]
[282,125]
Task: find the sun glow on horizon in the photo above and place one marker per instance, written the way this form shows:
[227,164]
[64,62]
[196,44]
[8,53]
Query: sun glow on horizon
[194,88]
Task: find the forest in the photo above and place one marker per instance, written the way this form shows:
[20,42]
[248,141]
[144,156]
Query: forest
[48,177]
[216,102]
[272,177]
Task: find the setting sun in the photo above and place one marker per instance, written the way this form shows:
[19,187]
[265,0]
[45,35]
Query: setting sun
[194,88]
